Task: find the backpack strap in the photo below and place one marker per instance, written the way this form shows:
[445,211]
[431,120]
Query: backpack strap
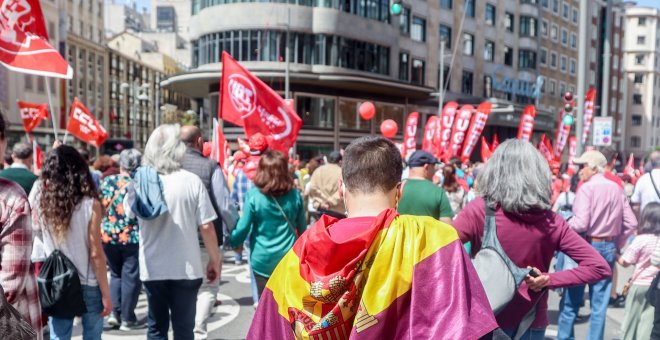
[653,182]
[491,240]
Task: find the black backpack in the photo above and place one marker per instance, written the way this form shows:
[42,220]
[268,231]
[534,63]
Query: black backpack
[60,291]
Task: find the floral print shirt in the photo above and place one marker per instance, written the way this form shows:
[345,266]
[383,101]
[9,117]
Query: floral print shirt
[116,227]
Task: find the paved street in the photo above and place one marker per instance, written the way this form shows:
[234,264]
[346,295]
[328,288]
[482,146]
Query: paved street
[232,318]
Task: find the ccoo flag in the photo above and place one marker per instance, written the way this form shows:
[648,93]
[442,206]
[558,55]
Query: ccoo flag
[83,125]
[247,101]
[24,45]
[32,114]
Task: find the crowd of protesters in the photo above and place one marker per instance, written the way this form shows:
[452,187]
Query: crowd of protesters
[159,221]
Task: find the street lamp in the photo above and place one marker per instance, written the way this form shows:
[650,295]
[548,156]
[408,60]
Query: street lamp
[137,96]
[441,82]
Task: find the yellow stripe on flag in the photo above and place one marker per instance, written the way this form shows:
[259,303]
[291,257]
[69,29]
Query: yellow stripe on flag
[289,286]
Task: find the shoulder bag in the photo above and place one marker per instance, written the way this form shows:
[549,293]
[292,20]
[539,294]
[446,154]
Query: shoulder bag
[291,227]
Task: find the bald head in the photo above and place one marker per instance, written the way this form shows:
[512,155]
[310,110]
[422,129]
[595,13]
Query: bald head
[192,137]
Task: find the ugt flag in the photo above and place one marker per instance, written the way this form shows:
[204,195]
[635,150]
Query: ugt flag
[24,43]
[32,114]
[83,125]
[247,101]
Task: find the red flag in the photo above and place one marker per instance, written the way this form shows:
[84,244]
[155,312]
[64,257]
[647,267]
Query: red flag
[477,125]
[32,114]
[219,146]
[630,167]
[410,134]
[572,150]
[495,144]
[461,126]
[546,148]
[38,159]
[588,113]
[486,151]
[249,102]
[445,126]
[243,146]
[526,126]
[429,134]
[83,125]
[563,132]
[641,167]
[24,45]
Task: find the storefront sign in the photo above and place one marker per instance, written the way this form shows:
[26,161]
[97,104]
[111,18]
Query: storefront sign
[518,87]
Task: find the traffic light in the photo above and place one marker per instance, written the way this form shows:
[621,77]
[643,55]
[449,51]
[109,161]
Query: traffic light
[568,109]
[395,7]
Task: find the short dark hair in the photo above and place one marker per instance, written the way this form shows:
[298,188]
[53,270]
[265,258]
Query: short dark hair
[22,150]
[610,154]
[273,177]
[371,163]
[650,220]
[334,157]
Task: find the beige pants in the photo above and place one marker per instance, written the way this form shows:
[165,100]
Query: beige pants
[638,319]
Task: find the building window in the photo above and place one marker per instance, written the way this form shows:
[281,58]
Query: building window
[564,13]
[554,35]
[564,37]
[319,112]
[543,56]
[639,78]
[446,75]
[575,16]
[526,59]
[544,28]
[573,64]
[418,29]
[41,85]
[553,59]
[445,32]
[553,86]
[641,39]
[448,4]
[509,21]
[468,44]
[508,56]
[555,6]
[637,99]
[573,40]
[489,51]
[418,71]
[469,8]
[544,3]
[466,82]
[562,88]
[404,65]
[527,26]
[29,82]
[562,64]
[636,120]
[639,59]
[404,21]
[635,141]
[641,21]
[490,14]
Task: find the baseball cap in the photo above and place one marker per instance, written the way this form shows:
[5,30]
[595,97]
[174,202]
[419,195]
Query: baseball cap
[591,158]
[258,144]
[421,157]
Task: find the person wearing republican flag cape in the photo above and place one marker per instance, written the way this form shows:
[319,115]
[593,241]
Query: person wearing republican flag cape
[375,274]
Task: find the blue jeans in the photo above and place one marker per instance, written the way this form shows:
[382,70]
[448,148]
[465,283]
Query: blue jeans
[92,322]
[531,334]
[124,279]
[599,297]
[178,297]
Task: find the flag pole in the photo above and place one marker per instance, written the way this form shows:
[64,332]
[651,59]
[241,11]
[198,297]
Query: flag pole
[50,107]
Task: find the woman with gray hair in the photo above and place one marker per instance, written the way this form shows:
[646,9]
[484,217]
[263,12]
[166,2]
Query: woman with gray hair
[516,184]
[171,205]
[119,234]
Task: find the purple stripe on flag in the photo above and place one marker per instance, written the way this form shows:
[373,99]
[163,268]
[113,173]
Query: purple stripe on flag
[446,301]
[267,323]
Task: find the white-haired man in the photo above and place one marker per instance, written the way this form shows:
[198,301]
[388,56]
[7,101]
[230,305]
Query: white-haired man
[603,215]
[647,188]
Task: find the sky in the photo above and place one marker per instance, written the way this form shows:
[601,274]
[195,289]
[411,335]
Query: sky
[140,3]
[648,3]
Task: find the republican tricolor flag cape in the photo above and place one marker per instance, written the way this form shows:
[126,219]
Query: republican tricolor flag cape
[24,45]
[403,277]
[247,101]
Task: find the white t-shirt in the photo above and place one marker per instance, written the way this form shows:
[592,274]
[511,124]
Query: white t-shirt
[644,192]
[169,246]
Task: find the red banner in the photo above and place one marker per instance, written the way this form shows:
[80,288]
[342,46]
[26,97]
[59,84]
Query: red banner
[526,126]
[477,125]
[32,114]
[83,125]
[219,147]
[486,151]
[429,134]
[445,125]
[496,143]
[410,134]
[461,125]
[38,159]
[588,113]
[561,138]
[572,150]
[247,101]
[630,167]
[24,45]
[546,148]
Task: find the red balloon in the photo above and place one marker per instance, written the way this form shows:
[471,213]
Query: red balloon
[367,110]
[389,128]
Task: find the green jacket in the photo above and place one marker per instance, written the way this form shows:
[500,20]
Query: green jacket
[271,237]
[21,176]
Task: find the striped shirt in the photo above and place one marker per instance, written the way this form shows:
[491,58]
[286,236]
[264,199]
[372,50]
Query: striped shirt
[639,253]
